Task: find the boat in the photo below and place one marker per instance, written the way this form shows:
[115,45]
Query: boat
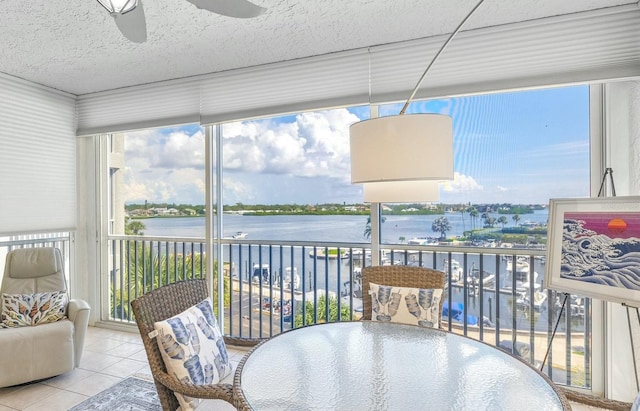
[457,274]
[539,300]
[576,307]
[488,279]
[423,241]
[353,289]
[287,278]
[457,315]
[261,274]
[522,276]
[239,235]
[330,253]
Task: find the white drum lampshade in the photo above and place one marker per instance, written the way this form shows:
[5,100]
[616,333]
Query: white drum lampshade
[424,191]
[406,147]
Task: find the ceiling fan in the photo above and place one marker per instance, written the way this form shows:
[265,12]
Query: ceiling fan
[129,14]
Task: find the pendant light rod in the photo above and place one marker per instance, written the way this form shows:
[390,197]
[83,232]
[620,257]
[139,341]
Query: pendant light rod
[446,43]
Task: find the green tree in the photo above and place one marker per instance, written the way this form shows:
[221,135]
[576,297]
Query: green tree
[463,210]
[144,270]
[516,219]
[441,225]
[489,222]
[134,227]
[307,316]
[473,213]
[503,221]
[367,227]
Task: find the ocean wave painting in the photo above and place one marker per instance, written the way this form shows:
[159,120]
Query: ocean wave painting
[601,248]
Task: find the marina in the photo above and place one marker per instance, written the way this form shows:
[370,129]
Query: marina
[334,270]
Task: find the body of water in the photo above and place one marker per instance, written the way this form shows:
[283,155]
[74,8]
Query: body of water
[332,228]
[314,274]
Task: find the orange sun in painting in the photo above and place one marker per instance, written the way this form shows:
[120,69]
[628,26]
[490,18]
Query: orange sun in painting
[617,225]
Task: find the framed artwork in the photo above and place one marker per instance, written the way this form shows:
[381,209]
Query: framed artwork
[593,248]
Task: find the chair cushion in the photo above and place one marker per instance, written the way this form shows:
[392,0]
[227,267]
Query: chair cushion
[32,309]
[193,348]
[405,305]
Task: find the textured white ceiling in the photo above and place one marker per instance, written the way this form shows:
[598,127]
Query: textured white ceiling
[75,46]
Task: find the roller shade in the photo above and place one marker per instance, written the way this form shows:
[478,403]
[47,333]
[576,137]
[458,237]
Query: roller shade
[580,48]
[340,79]
[594,46]
[136,108]
[37,158]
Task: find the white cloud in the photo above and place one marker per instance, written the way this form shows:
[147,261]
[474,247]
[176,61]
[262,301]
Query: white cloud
[313,145]
[163,167]
[502,189]
[461,184]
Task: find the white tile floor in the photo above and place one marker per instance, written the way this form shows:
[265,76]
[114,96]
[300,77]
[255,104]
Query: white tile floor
[109,356]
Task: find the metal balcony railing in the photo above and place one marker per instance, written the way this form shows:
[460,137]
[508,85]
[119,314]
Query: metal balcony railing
[271,287]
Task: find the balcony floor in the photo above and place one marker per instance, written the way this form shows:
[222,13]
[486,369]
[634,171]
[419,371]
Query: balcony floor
[109,356]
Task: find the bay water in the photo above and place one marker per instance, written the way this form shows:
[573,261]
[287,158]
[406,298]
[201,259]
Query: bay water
[325,228]
[351,229]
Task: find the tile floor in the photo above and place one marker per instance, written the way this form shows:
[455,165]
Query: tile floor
[109,356]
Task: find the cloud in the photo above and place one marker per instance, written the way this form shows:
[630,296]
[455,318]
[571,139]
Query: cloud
[502,189]
[158,149]
[308,145]
[461,184]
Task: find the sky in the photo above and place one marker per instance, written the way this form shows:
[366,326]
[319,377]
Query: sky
[520,147]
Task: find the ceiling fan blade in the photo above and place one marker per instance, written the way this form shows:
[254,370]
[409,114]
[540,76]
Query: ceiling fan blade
[132,24]
[232,8]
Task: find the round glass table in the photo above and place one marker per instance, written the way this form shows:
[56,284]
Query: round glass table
[366,365]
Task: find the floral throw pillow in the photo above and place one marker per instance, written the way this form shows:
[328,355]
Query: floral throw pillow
[415,306]
[193,349]
[32,309]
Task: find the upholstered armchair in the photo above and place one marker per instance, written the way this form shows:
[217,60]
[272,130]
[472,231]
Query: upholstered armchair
[42,331]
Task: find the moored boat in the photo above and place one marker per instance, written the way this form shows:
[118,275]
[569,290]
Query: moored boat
[523,276]
[261,274]
[330,252]
[291,276]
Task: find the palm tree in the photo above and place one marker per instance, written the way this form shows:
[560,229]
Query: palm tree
[516,218]
[134,228]
[145,270]
[441,225]
[473,213]
[503,221]
[367,227]
[489,222]
[462,211]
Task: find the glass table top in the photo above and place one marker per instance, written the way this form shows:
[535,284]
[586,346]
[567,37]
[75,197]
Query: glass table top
[381,366]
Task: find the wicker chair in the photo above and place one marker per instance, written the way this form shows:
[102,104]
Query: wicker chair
[593,401]
[399,276]
[163,303]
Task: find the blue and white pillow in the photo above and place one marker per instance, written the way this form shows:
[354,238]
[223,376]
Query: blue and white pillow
[407,305]
[193,349]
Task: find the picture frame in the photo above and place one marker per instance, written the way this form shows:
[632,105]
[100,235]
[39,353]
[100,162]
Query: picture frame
[593,248]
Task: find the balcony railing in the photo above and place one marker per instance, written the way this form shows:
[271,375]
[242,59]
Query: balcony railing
[272,287]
